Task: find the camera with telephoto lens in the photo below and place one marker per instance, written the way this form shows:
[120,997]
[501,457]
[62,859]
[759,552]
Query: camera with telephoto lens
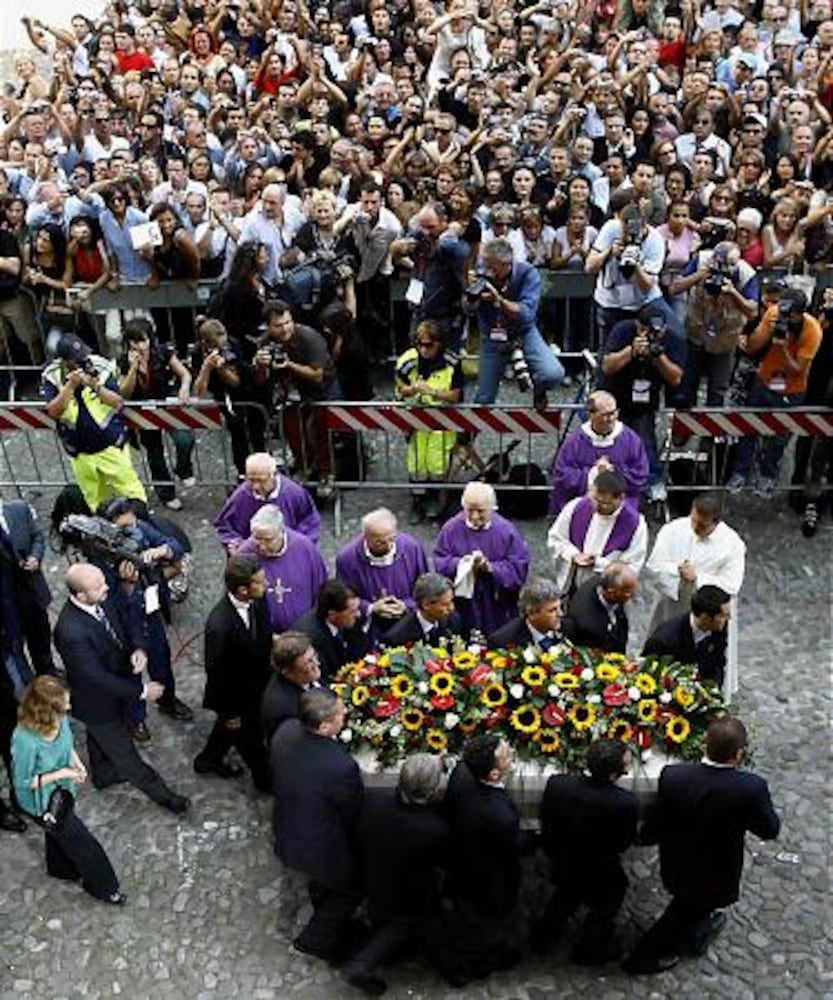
[87,366]
[520,369]
[656,335]
[781,326]
[475,289]
[277,355]
[716,231]
[719,272]
[633,247]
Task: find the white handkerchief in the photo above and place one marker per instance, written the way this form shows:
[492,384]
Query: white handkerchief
[464,579]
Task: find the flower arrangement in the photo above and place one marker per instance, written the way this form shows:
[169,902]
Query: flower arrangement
[549,705]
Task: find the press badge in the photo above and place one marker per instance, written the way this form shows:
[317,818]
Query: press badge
[777,383]
[641,392]
[152,599]
[414,292]
[498,334]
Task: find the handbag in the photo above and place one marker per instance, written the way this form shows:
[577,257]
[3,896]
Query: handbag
[60,803]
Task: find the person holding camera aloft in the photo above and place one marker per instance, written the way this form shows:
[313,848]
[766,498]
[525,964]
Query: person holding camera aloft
[628,255]
[790,339]
[640,358]
[723,297]
[506,298]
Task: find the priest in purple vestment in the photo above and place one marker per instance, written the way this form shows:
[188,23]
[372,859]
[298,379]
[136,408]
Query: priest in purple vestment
[486,557]
[602,442]
[294,568]
[264,485]
[382,565]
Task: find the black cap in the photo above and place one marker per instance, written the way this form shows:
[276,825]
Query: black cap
[72,348]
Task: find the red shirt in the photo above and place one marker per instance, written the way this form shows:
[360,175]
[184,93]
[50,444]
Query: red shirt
[136,60]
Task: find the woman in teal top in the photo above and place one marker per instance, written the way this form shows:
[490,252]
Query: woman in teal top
[43,759]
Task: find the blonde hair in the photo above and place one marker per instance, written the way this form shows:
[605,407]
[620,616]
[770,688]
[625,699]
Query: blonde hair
[43,704]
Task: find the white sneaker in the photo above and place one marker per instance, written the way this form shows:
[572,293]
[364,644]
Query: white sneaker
[189,481]
[174,504]
[657,493]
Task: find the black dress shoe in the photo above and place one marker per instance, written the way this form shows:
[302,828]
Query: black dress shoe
[141,735]
[700,941]
[178,804]
[219,769]
[116,899]
[11,822]
[176,709]
[652,967]
[370,985]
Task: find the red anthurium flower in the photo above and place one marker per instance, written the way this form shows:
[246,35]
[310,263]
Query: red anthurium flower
[479,674]
[667,683]
[386,707]
[615,695]
[629,668]
[434,666]
[577,669]
[442,702]
[553,715]
[495,718]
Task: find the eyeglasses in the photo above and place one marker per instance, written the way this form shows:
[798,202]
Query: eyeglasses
[103,119]
[426,344]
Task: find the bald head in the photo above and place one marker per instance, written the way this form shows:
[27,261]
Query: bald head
[261,473]
[86,583]
[619,583]
[379,530]
[602,409]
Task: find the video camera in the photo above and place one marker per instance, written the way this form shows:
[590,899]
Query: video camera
[97,538]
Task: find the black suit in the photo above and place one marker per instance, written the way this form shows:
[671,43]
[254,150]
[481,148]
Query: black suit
[408,629]
[102,684]
[333,651]
[517,633]
[237,664]
[279,703]
[588,623]
[676,638]
[318,795]
[702,814]
[585,826]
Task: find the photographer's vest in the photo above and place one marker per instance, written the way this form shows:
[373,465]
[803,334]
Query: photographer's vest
[88,425]
[714,322]
[429,452]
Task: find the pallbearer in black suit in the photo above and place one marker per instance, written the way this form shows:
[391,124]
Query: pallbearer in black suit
[318,795]
[295,669]
[702,813]
[238,644]
[435,618]
[335,628]
[104,662]
[697,636]
[597,616]
[586,823]
[540,619]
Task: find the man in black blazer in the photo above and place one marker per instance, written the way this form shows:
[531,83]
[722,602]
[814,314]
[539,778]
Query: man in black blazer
[539,623]
[402,841]
[334,627]
[697,636]
[22,546]
[238,644]
[435,618]
[586,823]
[295,669]
[596,616]
[702,813]
[104,663]
[318,796]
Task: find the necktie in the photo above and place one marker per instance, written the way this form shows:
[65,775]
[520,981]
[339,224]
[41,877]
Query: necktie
[547,642]
[432,636]
[101,615]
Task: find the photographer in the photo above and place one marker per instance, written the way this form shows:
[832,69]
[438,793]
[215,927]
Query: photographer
[639,359]
[789,340]
[628,255]
[506,299]
[723,297]
[82,397]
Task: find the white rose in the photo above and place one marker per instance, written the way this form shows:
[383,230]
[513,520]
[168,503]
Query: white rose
[553,691]
[395,731]
[451,720]
[530,656]
[475,649]
[594,699]
[422,687]
[665,697]
[346,735]
[588,674]
[634,693]
[517,691]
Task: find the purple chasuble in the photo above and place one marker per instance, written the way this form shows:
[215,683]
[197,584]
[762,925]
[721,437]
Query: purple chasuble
[620,537]
[579,454]
[299,512]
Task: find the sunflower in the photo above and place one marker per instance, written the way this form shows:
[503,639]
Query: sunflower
[526,719]
[620,730]
[617,658]
[436,739]
[567,681]
[401,686]
[645,683]
[677,729]
[534,676]
[607,672]
[338,688]
[582,716]
[464,660]
[412,719]
[441,683]
[494,695]
[360,695]
[684,696]
[647,710]
[548,740]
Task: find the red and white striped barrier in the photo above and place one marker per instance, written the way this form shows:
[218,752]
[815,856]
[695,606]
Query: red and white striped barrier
[750,423]
[440,418]
[33,417]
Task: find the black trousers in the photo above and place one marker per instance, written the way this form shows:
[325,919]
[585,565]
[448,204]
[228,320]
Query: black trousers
[114,758]
[332,909]
[388,941]
[250,744]
[73,854]
[37,633]
[678,929]
[593,942]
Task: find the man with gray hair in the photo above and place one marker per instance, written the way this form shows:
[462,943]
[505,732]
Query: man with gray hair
[402,841]
[506,300]
[539,622]
[596,616]
[434,618]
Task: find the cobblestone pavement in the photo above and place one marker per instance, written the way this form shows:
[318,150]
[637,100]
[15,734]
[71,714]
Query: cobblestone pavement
[211,914]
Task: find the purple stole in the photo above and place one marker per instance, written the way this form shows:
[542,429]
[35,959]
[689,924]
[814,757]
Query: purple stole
[624,527]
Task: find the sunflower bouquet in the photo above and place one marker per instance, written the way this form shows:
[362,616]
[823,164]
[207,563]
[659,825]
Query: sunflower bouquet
[549,705]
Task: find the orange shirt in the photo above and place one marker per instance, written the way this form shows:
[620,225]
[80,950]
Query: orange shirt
[773,371]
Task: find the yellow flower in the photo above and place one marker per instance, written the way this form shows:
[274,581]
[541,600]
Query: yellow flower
[338,688]
[582,716]
[647,710]
[677,729]
[436,739]
[683,696]
[548,740]
[546,658]
[620,730]
[534,676]
[618,658]
[526,719]
[440,652]
[412,719]
[607,672]
[441,683]
[464,659]
[384,660]
[567,681]
[494,695]
[360,695]
[645,683]
[498,662]
[401,686]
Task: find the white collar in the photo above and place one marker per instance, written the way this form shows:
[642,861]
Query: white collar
[88,609]
[714,763]
[602,440]
[424,624]
[379,561]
